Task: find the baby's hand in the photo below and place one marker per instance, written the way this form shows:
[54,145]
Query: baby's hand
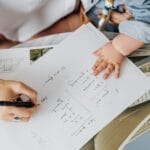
[109,60]
[117,18]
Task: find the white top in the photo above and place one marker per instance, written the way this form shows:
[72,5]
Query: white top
[21,19]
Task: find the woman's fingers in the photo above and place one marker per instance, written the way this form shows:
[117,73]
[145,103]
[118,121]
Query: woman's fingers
[23,89]
[17,114]
[24,112]
[108,71]
[117,70]
[6,117]
[11,117]
[11,90]
[25,117]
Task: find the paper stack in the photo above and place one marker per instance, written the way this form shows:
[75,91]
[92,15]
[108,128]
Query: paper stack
[75,105]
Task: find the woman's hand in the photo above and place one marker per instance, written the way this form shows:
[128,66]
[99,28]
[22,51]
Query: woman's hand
[11,90]
[109,59]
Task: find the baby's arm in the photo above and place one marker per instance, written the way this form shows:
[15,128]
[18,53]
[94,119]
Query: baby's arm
[126,44]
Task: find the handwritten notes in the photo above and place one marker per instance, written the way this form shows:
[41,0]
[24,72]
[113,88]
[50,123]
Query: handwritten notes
[84,82]
[70,111]
[53,76]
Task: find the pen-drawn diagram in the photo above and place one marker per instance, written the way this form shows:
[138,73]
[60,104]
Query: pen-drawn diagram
[9,64]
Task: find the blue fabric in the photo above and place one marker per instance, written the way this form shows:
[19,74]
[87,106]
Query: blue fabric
[138,27]
[140,9]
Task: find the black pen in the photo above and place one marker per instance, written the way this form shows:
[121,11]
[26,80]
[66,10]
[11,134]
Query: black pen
[17,103]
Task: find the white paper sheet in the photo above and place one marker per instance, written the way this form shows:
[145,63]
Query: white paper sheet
[75,105]
[14,59]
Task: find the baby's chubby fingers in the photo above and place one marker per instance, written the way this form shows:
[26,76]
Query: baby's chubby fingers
[97,63]
[99,67]
[117,70]
[108,71]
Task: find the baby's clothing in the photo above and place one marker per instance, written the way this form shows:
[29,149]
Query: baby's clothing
[138,27]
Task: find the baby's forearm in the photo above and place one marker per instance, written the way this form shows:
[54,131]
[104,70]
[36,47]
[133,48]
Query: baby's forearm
[126,44]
